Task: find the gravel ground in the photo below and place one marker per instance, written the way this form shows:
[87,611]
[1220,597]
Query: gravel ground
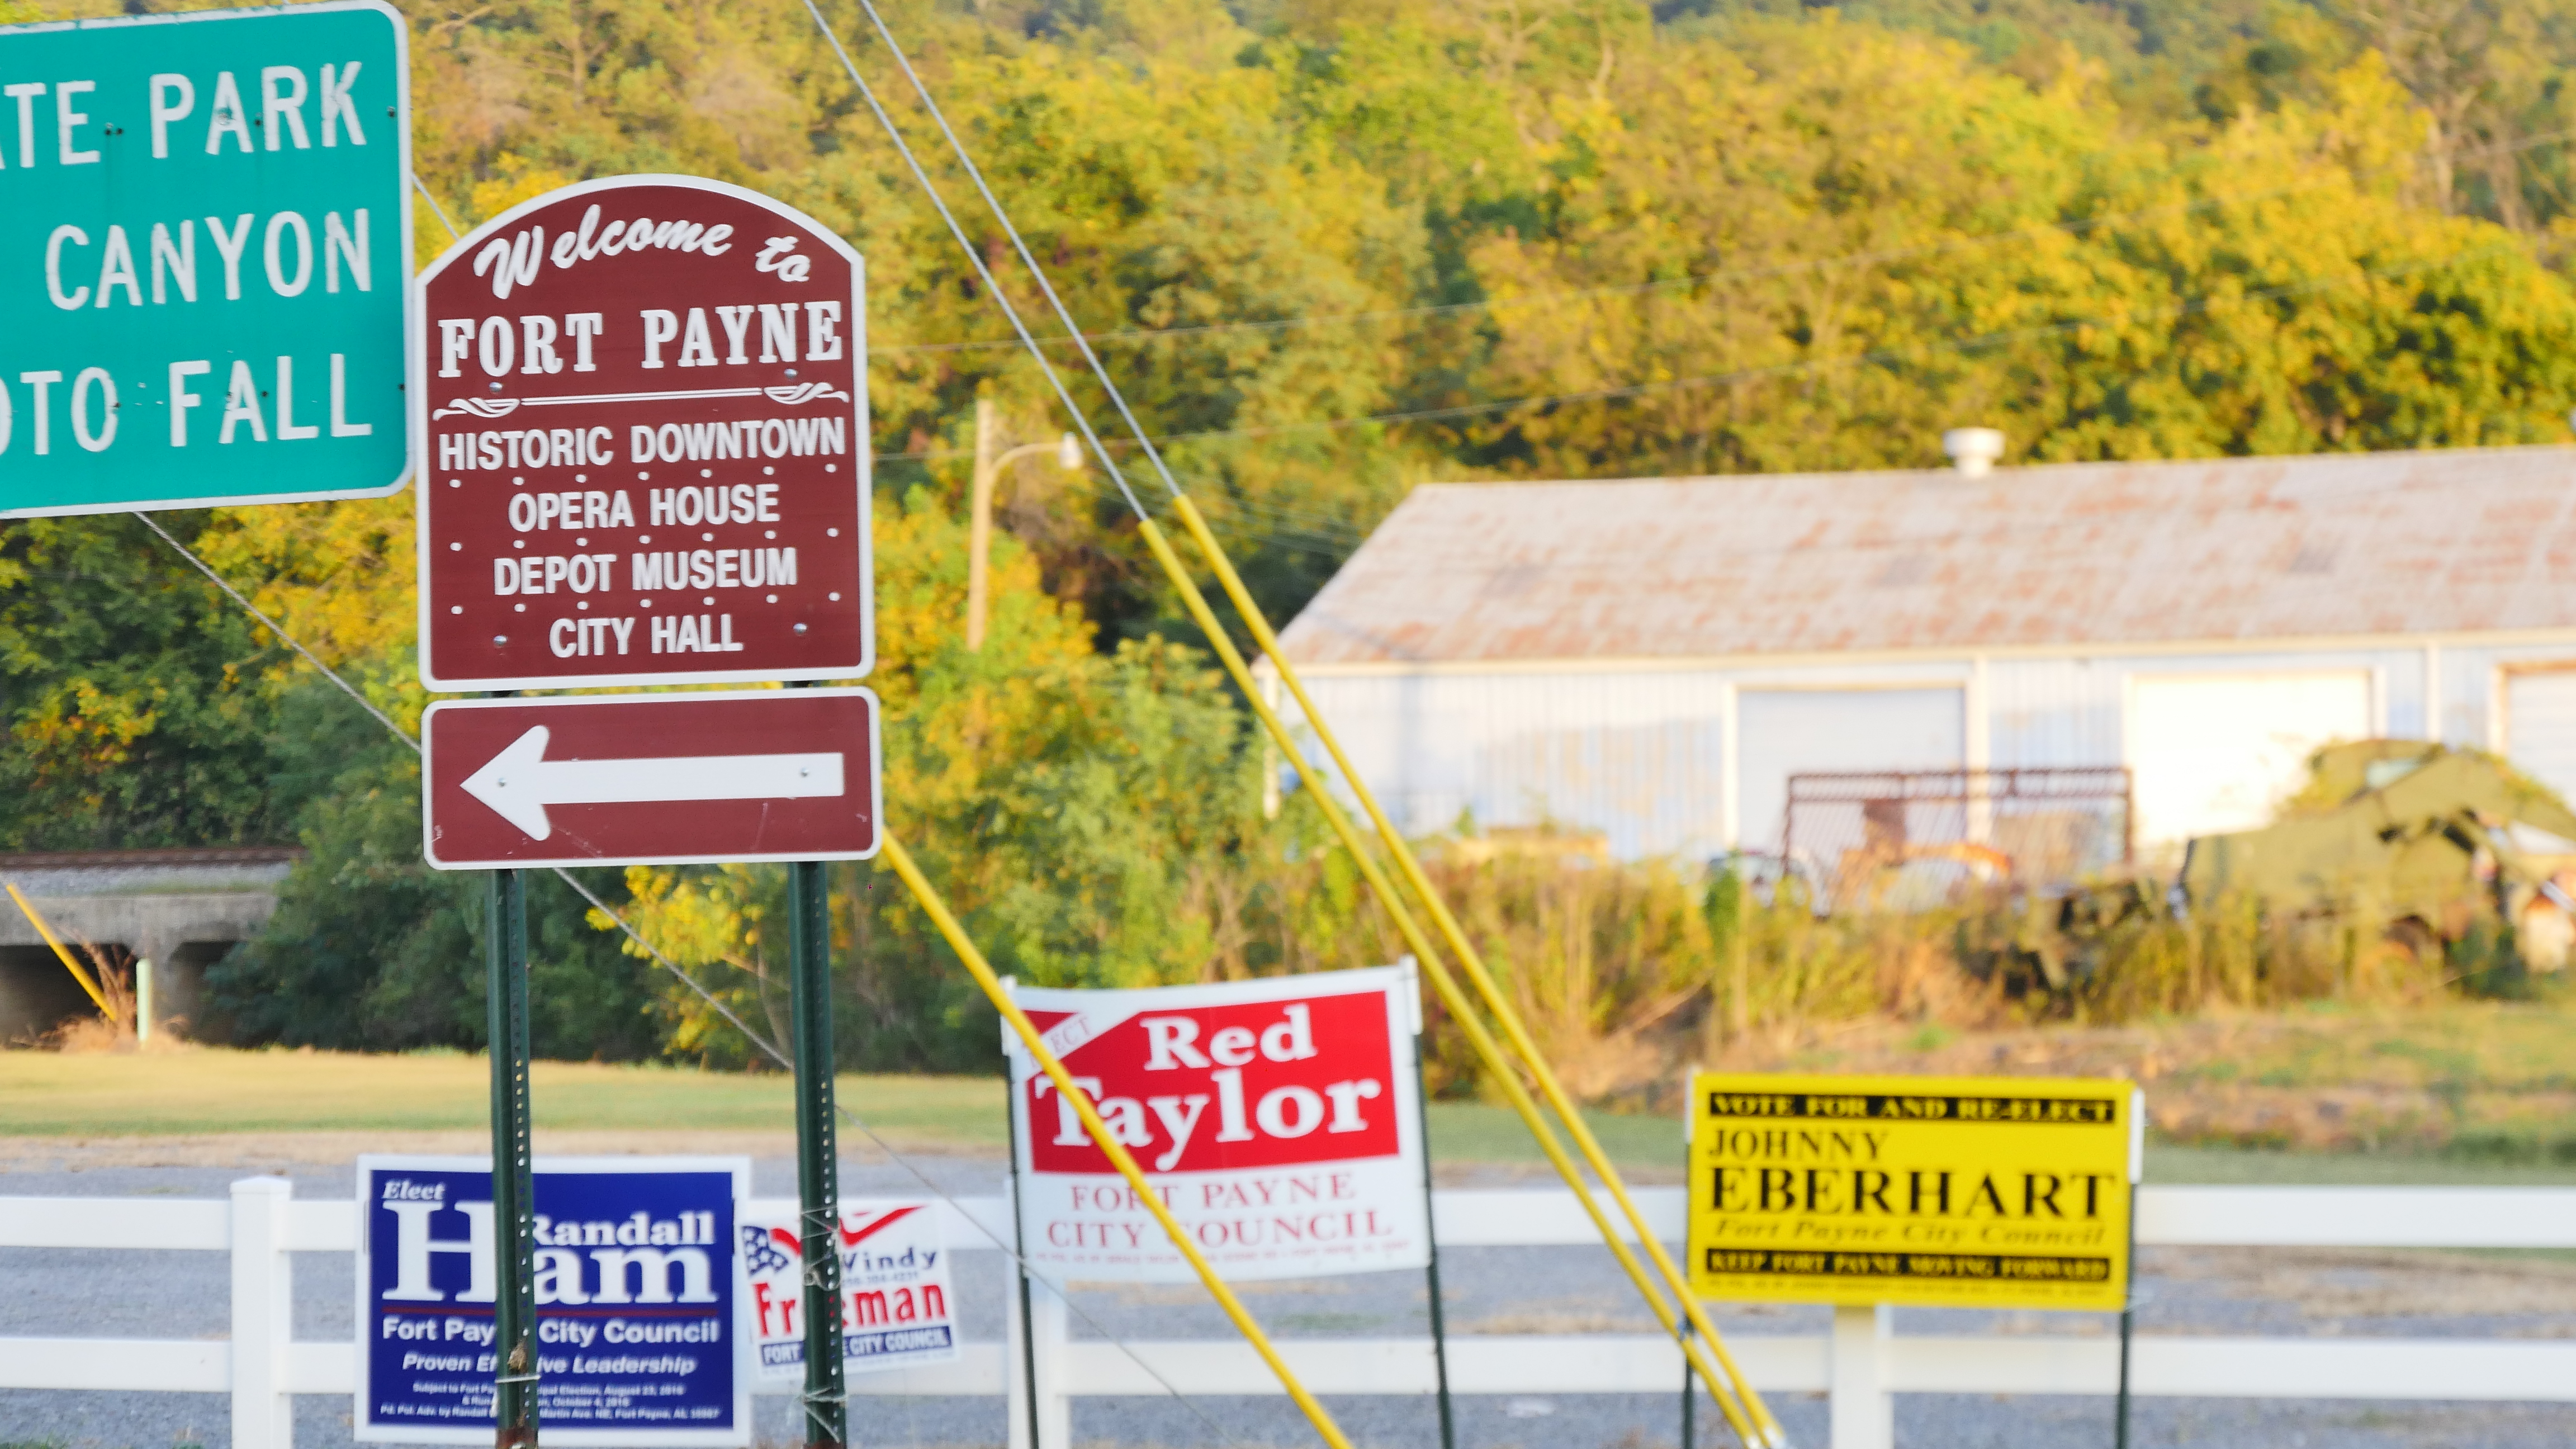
[1490,1290]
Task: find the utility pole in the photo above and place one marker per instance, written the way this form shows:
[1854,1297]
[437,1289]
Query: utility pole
[979,527]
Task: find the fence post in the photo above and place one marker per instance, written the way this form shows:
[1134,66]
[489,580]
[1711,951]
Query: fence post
[263,1314]
[1864,1414]
[1048,1331]
[1054,1416]
[1015,1357]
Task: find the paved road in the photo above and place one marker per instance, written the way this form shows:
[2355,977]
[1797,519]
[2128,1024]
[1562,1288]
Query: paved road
[1490,1290]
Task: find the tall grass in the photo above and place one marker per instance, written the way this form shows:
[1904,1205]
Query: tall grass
[2119,954]
[1625,971]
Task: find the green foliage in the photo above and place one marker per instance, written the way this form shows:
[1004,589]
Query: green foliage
[137,711]
[1722,905]
[1590,237]
[361,919]
[2117,954]
[371,948]
[1332,248]
[1095,818]
[2486,960]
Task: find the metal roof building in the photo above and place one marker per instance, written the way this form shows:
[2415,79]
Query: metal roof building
[1652,659]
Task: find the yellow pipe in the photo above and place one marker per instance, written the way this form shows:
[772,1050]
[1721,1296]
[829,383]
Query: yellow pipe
[1460,1006]
[937,909]
[68,963]
[1469,958]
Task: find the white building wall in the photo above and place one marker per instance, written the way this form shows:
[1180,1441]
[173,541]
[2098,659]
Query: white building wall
[2526,708]
[1642,754]
[2053,712]
[1789,730]
[1635,754]
[2476,682]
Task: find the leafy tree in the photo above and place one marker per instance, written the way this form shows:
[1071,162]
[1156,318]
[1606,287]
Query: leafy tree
[1842,259]
[1329,248]
[1091,815]
[138,701]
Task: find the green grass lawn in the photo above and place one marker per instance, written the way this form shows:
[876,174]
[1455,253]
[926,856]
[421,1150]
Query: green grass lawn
[1475,1132]
[2231,1166]
[208,1090]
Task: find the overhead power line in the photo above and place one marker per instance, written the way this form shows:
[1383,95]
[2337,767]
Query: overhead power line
[1339,544]
[1328,537]
[759,1041]
[1734,1394]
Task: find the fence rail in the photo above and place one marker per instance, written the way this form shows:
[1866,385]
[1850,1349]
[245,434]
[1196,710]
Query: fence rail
[1860,1364]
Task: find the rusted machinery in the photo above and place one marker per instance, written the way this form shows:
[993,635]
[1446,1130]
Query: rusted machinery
[2438,845]
[2416,832]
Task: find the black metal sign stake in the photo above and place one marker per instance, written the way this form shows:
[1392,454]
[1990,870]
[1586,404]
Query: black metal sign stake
[1690,1373]
[818,1182]
[514,1310]
[2128,1329]
[1690,1386]
[1431,1257]
[1028,1365]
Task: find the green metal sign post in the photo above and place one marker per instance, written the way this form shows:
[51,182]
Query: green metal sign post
[514,1311]
[818,1181]
[205,258]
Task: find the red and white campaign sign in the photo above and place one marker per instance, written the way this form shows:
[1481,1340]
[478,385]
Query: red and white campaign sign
[898,1307]
[1277,1119]
[660,779]
[640,406]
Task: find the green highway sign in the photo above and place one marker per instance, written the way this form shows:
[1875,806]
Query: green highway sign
[205,258]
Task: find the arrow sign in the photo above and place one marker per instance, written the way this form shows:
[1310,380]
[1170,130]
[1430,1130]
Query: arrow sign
[521,782]
[651,779]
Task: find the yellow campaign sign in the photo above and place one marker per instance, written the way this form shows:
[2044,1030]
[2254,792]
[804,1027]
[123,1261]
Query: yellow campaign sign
[1945,1192]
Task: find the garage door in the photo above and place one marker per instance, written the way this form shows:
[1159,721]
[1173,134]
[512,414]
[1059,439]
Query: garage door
[2540,726]
[1791,731]
[2215,753]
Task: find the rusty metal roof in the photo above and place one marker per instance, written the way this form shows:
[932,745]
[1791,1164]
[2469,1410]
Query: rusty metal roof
[2462,541]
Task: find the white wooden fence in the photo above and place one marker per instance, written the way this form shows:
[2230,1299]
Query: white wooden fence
[1859,1365]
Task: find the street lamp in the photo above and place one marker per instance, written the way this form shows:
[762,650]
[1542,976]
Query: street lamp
[979,530]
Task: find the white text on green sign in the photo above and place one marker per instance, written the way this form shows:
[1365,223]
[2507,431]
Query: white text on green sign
[205,255]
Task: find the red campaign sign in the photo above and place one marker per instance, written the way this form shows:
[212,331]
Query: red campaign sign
[1277,1119]
[1205,1089]
[672,779]
[640,405]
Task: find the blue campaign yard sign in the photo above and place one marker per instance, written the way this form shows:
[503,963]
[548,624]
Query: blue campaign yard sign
[640,1332]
